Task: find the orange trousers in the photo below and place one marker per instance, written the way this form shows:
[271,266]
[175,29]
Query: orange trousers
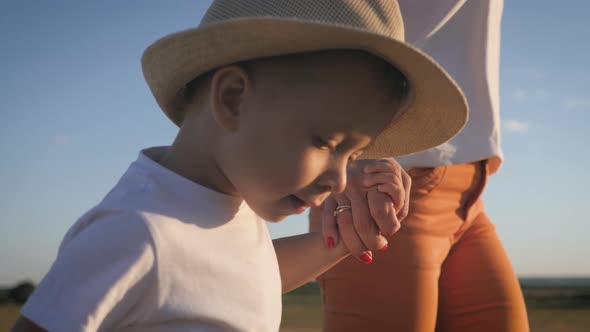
[445,270]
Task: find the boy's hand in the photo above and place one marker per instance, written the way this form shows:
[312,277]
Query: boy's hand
[378,192]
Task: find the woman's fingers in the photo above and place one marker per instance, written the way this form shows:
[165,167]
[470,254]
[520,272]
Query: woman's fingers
[329,227]
[366,228]
[403,212]
[348,232]
[383,212]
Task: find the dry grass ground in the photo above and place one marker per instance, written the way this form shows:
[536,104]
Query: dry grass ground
[306,317]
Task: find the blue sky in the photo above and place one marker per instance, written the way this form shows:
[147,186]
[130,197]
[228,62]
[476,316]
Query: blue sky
[75,112]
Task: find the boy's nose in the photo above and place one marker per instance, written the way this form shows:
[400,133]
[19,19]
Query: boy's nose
[335,178]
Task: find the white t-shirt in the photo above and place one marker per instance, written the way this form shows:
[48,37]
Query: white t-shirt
[464,37]
[161,253]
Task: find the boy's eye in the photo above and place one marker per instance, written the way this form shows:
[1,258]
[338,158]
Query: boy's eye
[320,143]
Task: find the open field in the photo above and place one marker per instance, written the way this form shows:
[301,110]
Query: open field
[551,308]
[306,317]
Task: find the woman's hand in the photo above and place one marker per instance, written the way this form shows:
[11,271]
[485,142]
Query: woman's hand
[378,192]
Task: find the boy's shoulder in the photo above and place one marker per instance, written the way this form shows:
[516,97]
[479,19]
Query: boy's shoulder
[100,256]
[109,224]
[128,208]
[152,200]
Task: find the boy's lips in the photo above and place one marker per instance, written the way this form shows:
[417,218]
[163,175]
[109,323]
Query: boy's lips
[309,202]
[318,200]
[299,205]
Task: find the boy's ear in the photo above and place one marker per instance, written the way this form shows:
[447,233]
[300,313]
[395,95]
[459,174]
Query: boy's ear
[228,86]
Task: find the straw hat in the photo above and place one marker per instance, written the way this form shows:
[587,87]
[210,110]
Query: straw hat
[238,30]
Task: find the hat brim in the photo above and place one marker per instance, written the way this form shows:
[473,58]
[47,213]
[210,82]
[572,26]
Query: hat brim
[438,111]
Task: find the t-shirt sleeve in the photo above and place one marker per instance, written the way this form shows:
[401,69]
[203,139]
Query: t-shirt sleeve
[423,18]
[100,274]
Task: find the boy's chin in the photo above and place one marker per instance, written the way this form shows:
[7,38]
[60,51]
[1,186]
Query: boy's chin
[278,210]
[272,217]
[276,219]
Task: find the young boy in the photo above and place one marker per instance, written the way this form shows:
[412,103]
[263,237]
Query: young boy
[273,100]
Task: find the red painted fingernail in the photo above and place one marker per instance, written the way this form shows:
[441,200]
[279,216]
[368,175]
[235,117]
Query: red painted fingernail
[366,258]
[330,242]
[391,234]
[383,248]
